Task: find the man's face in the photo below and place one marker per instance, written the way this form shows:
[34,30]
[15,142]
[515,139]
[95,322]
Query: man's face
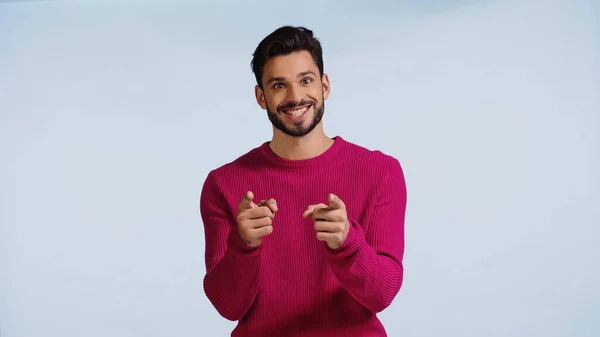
[293,94]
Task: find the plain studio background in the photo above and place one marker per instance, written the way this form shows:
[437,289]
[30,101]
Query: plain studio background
[112,115]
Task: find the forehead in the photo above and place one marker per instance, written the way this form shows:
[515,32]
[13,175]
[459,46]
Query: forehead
[290,65]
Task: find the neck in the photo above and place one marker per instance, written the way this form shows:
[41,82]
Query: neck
[299,148]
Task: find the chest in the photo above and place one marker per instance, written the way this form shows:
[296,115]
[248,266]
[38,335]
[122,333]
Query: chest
[293,198]
[294,191]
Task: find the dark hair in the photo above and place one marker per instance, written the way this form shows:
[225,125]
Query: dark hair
[283,41]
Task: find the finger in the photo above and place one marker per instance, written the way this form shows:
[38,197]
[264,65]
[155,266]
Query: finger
[335,202]
[308,212]
[325,214]
[326,236]
[329,227]
[259,212]
[246,202]
[310,209]
[258,223]
[324,226]
[272,205]
[262,231]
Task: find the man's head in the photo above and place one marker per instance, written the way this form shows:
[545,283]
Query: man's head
[291,85]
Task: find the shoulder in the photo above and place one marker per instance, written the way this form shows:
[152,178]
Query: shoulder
[378,169]
[367,158]
[228,171]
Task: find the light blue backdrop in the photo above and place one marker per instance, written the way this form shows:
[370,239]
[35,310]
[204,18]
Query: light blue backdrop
[111,115]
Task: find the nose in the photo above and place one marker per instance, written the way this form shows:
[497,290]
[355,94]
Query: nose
[294,94]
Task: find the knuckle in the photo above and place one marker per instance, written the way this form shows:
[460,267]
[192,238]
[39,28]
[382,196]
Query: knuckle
[265,211]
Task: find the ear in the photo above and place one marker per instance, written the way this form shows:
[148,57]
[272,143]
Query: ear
[326,87]
[260,97]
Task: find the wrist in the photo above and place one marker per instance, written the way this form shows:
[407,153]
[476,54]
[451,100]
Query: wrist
[238,244]
[351,243]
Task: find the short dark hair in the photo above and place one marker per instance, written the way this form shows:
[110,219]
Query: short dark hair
[286,40]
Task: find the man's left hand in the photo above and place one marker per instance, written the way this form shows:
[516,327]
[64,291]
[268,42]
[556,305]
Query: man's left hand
[331,221]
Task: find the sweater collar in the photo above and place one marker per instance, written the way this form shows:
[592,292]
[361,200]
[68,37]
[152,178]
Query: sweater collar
[289,163]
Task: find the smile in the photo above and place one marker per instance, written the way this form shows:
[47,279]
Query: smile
[296,112]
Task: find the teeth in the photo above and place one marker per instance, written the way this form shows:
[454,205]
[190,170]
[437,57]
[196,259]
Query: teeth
[297,112]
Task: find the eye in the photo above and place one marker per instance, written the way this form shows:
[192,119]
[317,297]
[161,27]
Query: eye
[306,80]
[278,85]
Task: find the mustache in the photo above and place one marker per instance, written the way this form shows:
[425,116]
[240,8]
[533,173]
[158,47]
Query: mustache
[291,105]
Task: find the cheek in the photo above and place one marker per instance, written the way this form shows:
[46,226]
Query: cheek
[272,104]
[317,93]
[273,101]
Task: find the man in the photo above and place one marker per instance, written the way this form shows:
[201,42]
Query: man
[304,233]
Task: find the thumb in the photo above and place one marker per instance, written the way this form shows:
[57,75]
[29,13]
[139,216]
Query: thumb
[271,204]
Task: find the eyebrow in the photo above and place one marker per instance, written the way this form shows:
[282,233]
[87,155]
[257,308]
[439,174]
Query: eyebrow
[302,74]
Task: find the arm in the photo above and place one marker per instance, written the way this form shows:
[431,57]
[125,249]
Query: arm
[232,267]
[369,265]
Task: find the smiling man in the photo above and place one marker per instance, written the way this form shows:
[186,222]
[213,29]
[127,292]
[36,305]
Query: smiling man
[304,233]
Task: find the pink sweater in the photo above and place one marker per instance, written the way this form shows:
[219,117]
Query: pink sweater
[293,284]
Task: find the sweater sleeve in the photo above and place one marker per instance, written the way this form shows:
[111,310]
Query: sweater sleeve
[369,263]
[232,267]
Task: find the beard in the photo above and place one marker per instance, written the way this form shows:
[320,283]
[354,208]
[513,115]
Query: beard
[298,130]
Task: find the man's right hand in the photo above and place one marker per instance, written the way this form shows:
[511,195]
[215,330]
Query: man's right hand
[255,220]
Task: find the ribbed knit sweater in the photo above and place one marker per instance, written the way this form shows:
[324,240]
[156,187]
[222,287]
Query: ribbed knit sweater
[293,284]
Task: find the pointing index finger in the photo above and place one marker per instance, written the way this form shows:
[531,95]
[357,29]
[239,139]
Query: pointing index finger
[246,202]
[335,202]
[311,209]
